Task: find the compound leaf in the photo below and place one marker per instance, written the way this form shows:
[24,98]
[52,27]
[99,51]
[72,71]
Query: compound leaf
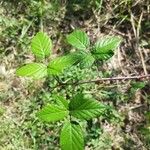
[71,137]
[41,45]
[52,113]
[78,39]
[104,48]
[85,108]
[34,70]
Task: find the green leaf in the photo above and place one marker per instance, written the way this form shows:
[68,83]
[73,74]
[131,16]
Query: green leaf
[41,45]
[78,39]
[52,113]
[138,85]
[71,137]
[34,70]
[61,101]
[85,59]
[85,108]
[104,48]
[59,64]
[2,110]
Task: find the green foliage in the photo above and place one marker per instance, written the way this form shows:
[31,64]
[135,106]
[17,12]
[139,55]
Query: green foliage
[86,59]
[87,54]
[71,137]
[57,66]
[41,45]
[52,113]
[19,127]
[82,108]
[103,49]
[1,111]
[138,85]
[85,108]
[79,40]
[79,106]
[61,101]
[34,70]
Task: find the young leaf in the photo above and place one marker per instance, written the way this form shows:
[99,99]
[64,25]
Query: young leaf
[34,70]
[41,45]
[61,101]
[84,108]
[78,39]
[52,113]
[58,65]
[85,59]
[71,137]
[103,49]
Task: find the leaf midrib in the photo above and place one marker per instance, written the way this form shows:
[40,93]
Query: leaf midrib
[79,42]
[104,47]
[37,70]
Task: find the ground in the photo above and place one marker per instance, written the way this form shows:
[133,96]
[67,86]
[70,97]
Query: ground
[128,126]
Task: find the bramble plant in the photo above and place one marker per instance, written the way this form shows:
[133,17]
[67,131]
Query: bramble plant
[79,107]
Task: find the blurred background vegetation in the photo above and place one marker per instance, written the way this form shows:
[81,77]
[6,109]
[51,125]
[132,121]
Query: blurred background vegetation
[127,125]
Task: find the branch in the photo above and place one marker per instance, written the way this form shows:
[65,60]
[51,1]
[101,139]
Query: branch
[113,79]
[102,80]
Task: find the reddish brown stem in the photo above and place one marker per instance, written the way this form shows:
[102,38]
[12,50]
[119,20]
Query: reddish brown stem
[113,78]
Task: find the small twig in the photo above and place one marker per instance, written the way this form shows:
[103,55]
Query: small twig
[140,52]
[115,31]
[108,79]
[115,78]
[100,80]
[133,24]
[136,107]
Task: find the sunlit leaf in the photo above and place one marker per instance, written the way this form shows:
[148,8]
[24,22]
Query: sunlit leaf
[52,113]
[34,70]
[78,39]
[85,108]
[61,101]
[71,137]
[104,48]
[59,64]
[41,45]
[85,58]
